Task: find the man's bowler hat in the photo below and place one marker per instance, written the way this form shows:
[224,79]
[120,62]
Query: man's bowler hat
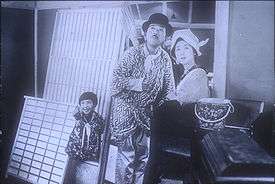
[158,18]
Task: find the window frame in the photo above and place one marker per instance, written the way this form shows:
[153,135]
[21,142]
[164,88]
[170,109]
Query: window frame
[220,43]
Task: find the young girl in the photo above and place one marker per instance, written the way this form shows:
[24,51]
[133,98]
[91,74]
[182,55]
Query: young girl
[85,139]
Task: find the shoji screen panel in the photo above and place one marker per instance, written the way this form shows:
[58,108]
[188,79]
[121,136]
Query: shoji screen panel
[86,44]
[38,154]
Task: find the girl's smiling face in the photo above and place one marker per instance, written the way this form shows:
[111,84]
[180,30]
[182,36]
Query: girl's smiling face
[184,53]
[87,106]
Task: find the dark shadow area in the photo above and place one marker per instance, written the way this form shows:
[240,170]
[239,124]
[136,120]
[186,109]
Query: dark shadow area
[17,70]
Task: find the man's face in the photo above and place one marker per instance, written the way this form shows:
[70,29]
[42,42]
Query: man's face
[155,34]
[87,106]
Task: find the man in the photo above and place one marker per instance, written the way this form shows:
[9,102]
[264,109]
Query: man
[142,79]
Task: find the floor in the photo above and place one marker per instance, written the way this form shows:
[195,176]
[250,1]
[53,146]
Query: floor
[163,181]
[169,181]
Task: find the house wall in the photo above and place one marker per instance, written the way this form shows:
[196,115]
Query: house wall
[250,65]
[17,70]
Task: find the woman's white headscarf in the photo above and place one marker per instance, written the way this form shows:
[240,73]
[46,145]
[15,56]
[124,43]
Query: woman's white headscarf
[189,38]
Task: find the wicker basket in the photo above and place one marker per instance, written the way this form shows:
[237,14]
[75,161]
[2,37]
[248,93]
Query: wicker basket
[212,112]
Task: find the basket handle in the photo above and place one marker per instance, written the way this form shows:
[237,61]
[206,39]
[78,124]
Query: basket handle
[230,109]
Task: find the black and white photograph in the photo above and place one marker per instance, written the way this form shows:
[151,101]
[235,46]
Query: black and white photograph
[137,92]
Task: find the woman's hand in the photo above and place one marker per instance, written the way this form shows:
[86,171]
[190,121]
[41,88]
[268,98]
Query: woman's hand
[172,96]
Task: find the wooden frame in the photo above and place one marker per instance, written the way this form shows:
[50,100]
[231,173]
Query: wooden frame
[221,48]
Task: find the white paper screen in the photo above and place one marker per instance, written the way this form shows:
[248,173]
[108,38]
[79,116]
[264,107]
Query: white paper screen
[38,153]
[85,45]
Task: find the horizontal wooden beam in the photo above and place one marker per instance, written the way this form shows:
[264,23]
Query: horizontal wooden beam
[180,25]
[28,5]
[192,25]
[42,5]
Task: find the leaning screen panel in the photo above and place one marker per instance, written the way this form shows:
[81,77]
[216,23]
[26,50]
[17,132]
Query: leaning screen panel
[38,154]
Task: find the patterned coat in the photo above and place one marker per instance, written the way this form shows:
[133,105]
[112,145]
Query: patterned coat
[192,86]
[133,108]
[85,139]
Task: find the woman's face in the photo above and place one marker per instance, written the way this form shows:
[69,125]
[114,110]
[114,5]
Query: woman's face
[184,53]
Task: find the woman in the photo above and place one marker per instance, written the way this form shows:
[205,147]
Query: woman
[175,119]
[191,80]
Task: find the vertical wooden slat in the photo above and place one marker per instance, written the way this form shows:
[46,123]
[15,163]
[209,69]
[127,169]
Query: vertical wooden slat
[35,51]
[62,59]
[190,9]
[64,34]
[64,82]
[70,36]
[49,74]
[65,45]
[56,58]
[98,41]
[80,36]
[88,33]
[101,58]
[86,23]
